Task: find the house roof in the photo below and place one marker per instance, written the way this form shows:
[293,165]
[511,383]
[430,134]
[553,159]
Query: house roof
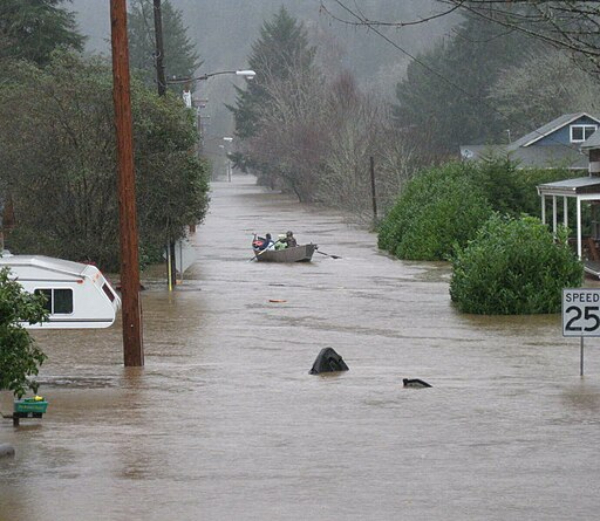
[481,151]
[557,156]
[548,129]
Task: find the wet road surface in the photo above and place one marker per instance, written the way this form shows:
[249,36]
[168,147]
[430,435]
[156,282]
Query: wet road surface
[225,423]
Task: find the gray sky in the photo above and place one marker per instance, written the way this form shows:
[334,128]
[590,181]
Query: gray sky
[225,29]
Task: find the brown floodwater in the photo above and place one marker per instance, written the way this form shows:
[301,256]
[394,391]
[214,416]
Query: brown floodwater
[225,423]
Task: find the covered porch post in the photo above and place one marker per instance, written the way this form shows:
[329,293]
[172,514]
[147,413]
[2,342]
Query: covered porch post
[581,189]
[579,228]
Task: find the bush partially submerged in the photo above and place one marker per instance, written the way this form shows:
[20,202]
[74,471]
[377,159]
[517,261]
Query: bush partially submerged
[514,266]
[438,209]
[446,205]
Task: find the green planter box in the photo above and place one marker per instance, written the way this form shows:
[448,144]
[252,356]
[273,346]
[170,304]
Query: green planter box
[30,406]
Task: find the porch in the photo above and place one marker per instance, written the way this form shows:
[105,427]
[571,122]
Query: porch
[582,190]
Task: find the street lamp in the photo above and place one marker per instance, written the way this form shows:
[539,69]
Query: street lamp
[228,166]
[187,99]
[246,73]
[187,94]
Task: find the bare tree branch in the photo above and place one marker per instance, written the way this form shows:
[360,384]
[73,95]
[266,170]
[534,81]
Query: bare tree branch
[358,18]
[569,25]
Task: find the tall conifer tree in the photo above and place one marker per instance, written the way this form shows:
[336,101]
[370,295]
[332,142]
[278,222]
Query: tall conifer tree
[32,29]
[444,98]
[181,58]
[281,50]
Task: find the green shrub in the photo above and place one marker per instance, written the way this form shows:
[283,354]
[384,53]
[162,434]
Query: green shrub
[20,357]
[513,267]
[512,190]
[528,181]
[438,209]
[445,205]
[500,181]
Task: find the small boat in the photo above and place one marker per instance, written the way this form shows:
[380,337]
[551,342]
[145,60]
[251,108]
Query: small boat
[302,253]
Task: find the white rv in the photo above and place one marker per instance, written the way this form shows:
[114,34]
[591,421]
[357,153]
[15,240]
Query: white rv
[78,296]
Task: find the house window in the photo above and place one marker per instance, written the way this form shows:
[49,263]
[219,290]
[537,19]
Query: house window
[580,133]
[58,301]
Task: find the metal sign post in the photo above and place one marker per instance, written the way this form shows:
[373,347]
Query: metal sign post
[581,315]
[581,357]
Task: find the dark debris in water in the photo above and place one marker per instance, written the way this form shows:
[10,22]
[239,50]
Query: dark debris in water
[415,383]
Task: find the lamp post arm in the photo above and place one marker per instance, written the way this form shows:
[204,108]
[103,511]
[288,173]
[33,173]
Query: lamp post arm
[245,73]
[206,76]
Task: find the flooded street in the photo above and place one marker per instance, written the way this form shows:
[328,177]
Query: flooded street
[225,423]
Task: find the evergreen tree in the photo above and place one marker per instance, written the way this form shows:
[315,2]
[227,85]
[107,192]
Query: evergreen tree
[444,98]
[32,29]
[281,50]
[181,58]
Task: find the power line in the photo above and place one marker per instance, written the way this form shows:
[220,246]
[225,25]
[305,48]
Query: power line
[372,26]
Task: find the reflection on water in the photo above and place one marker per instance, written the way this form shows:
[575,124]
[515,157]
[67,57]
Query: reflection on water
[225,423]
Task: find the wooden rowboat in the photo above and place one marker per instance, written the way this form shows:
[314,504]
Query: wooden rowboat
[302,253]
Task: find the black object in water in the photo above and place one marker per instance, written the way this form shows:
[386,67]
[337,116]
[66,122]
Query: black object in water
[415,382]
[328,361]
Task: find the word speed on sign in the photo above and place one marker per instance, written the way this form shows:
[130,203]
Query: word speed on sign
[581,312]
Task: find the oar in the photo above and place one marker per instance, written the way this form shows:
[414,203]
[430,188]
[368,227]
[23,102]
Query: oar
[329,255]
[258,254]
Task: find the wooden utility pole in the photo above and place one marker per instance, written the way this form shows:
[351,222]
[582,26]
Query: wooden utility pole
[160,49]
[133,348]
[373,194]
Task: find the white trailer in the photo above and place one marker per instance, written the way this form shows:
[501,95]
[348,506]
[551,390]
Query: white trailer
[78,296]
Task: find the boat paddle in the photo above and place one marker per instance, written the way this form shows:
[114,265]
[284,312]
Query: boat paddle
[328,254]
[256,255]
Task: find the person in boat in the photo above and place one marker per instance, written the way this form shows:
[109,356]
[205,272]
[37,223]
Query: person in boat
[281,243]
[290,240]
[268,243]
[263,244]
[257,242]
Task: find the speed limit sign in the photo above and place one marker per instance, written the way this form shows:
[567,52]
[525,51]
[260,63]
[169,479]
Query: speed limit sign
[581,312]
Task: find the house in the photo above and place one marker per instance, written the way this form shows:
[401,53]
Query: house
[584,189]
[592,148]
[571,141]
[556,144]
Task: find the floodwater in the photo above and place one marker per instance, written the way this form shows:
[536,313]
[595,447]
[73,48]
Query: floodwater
[225,423]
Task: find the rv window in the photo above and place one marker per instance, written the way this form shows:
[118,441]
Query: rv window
[48,298]
[58,301]
[63,301]
[109,293]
